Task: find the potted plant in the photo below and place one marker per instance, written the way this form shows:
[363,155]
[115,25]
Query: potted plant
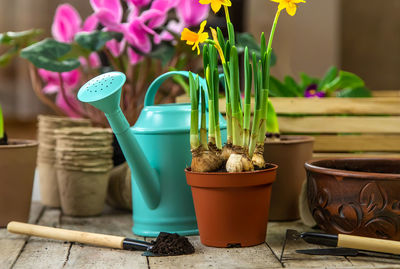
[231,185]
[290,152]
[17,166]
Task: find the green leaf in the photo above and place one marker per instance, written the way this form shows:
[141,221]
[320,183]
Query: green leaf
[328,77]
[306,80]
[10,38]
[75,52]
[95,41]
[344,80]
[164,52]
[354,92]
[292,87]
[6,57]
[272,119]
[278,89]
[46,54]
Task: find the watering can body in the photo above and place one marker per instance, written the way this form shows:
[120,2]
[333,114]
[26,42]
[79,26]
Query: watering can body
[157,149]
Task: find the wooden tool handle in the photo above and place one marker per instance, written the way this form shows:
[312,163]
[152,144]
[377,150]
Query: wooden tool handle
[371,244]
[100,240]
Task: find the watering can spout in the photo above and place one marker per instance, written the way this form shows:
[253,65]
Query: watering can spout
[104,93]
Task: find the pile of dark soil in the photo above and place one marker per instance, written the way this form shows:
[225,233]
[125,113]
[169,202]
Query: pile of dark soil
[171,244]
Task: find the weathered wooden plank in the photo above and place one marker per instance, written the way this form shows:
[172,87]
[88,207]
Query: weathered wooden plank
[347,143]
[326,106]
[275,237]
[114,222]
[332,106]
[386,93]
[11,245]
[205,257]
[336,124]
[41,252]
[320,155]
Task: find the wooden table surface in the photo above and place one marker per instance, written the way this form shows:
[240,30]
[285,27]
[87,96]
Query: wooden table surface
[17,251]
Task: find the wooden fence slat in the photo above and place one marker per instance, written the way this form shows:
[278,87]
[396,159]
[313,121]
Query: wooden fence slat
[332,106]
[318,155]
[348,143]
[336,124]
[326,106]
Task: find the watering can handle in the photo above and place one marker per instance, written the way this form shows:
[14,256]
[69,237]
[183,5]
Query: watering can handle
[155,85]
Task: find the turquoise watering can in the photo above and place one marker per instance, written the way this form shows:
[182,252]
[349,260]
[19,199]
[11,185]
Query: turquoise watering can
[157,149]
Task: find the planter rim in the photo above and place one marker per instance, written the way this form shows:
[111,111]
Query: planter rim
[274,166]
[313,167]
[231,180]
[20,143]
[292,139]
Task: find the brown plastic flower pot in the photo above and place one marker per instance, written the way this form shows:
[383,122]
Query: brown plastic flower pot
[232,208]
[17,166]
[290,154]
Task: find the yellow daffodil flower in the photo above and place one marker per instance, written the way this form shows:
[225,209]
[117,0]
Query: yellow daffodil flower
[289,5]
[216,4]
[193,38]
[217,45]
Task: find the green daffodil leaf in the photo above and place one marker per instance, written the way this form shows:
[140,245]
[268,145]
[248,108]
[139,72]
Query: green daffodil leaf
[46,54]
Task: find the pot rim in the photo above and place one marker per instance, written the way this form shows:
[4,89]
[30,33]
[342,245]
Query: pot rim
[219,180]
[310,166]
[274,167]
[292,139]
[20,143]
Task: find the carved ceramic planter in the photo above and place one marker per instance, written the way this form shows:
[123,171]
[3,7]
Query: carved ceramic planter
[356,196]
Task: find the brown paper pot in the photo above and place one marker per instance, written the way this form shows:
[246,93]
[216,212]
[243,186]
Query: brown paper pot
[48,184]
[232,208]
[289,154]
[17,166]
[119,188]
[82,193]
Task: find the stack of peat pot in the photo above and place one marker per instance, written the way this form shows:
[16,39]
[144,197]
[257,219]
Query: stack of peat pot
[46,158]
[84,162]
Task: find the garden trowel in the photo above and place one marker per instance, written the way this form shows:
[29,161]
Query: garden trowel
[166,244]
[345,245]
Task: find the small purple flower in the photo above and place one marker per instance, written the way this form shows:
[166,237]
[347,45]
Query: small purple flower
[311,91]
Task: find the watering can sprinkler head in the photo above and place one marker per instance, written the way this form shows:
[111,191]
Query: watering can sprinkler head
[103,92]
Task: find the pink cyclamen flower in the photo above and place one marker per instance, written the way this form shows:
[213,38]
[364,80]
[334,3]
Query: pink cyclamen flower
[137,33]
[191,12]
[66,24]
[109,13]
[134,58]
[138,3]
[71,81]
